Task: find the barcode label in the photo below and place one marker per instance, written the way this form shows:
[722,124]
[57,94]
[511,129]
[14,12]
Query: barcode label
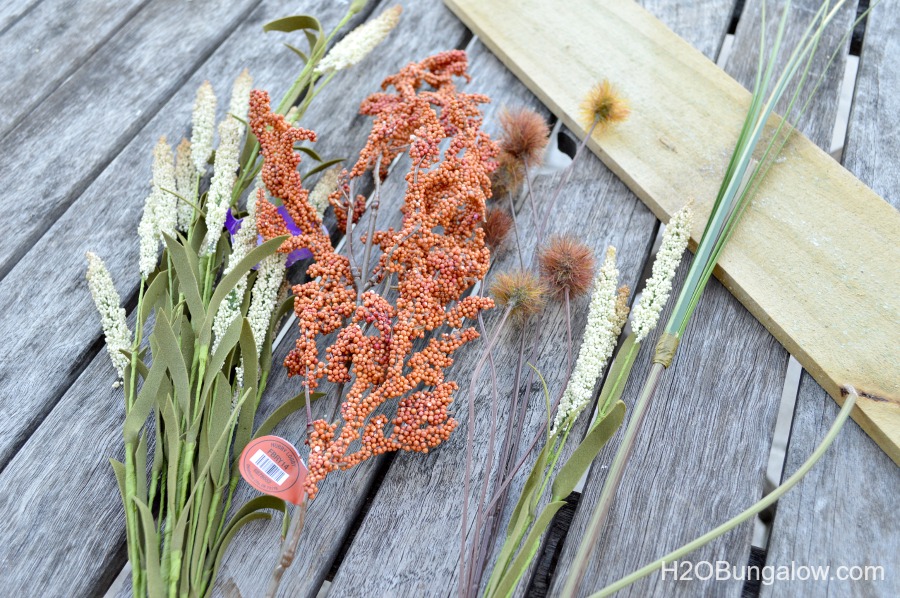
[269,467]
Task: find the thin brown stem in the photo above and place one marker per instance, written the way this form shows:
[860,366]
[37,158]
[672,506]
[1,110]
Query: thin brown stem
[515,221]
[567,172]
[376,200]
[569,346]
[475,558]
[535,220]
[289,548]
[469,444]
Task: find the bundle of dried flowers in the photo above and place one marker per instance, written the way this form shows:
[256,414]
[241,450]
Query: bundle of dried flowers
[438,253]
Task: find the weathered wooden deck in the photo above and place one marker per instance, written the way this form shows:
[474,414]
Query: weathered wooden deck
[89,85]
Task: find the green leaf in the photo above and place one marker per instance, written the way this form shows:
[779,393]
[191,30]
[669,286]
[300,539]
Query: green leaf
[531,485]
[230,280]
[119,470]
[309,152]
[294,23]
[298,52]
[140,467]
[256,504]
[155,585]
[265,357]
[529,548]
[284,410]
[187,278]
[153,293]
[618,373]
[172,424]
[146,398]
[323,166]
[141,366]
[251,375]
[522,515]
[578,463]
[226,540]
[315,42]
[219,414]
[170,352]
[226,344]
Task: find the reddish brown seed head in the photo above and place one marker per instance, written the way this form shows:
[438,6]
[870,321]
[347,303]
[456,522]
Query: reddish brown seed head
[508,177]
[497,224]
[567,264]
[521,292]
[525,135]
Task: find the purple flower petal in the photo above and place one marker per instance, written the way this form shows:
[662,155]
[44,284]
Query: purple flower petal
[291,225]
[232,224]
[297,255]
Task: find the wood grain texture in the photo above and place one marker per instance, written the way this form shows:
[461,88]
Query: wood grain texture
[117,91]
[343,494]
[81,127]
[706,440]
[791,262]
[843,512]
[65,531]
[820,522]
[408,544]
[48,44]
[13,10]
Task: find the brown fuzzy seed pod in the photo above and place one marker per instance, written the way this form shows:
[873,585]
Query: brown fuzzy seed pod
[521,292]
[497,224]
[508,177]
[525,135]
[567,263]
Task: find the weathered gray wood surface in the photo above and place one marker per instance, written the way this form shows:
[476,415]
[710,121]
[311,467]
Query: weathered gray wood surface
[843,513]
[110,95]
[41,526]
[343,494]
[68,139]
[705,442]
[48,44]
[13,10]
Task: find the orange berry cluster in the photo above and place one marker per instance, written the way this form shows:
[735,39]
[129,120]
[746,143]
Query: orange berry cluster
[433,259]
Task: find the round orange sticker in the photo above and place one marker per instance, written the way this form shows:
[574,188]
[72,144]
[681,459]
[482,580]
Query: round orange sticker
[273,466]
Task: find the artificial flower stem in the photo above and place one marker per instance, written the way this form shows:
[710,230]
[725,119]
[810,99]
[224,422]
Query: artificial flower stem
[289,548]
[567,173]
[535,219]
[756,508]
[613,478]
[476,373]
[476,557]
[376,200]
[512,213]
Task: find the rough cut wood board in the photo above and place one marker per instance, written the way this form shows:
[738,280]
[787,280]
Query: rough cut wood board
[815,258]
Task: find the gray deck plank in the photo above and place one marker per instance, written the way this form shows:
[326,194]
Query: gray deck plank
[843,512]
[417,556]
[48,44]
[73,515]
[81,127]
[706,439]
[408,544]
[332,513]
[69,139]
[13,10]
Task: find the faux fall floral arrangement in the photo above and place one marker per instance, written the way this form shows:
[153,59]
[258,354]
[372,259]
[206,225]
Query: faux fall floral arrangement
[380,323]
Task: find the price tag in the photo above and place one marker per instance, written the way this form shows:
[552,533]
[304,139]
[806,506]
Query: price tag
[273,466]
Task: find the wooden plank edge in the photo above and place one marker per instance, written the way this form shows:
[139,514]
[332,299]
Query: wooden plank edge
[878,413]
